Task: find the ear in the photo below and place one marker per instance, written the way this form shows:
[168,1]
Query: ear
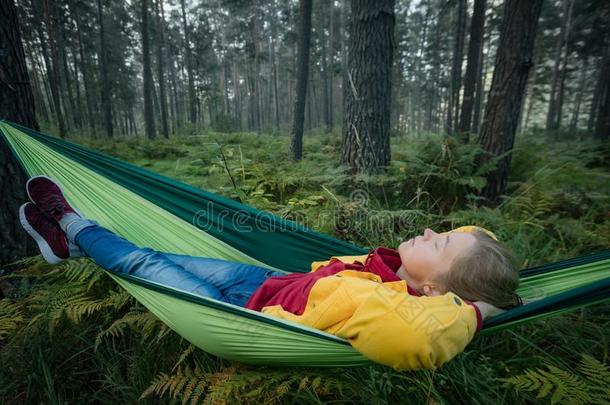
[432,290]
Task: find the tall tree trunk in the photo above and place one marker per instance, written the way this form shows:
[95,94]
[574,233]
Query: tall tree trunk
[53,70]
[600,85]
[105,84]
[79,104]
[149,117]
[343,23]
[84,68]
[296,143]
[553,118]
[481,82]
[192,102]
[17,105]
[39,96]
[161,67]
[602,126]
[326,104]
[530,89]
[331,55]
[366,125]
[513,62]
[65,79]
[456,69]
[276,99]
[477,26]
[582,88]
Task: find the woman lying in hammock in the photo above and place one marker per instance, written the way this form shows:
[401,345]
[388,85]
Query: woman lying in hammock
[416,307]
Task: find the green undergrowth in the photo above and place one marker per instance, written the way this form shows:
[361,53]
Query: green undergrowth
[68,334]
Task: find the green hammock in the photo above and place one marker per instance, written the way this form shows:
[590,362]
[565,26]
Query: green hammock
[156,211]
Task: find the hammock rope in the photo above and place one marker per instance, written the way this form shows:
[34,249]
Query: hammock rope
[155,211]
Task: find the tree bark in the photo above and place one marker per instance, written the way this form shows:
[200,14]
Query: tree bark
[512,65]
[602,126]
[276,99]
[53,70]
[105,85]
[161,66]
[456,69]
[296,143]
[192,107]
[149,118]
[84,68]
[366,124]
[553,114]
[326,103]
[582,88]
[477,26]
[79,104]
[17,105]
[600,85]
[331,55]
[64,71]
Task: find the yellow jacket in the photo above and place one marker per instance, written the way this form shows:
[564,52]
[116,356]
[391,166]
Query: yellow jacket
[384,322]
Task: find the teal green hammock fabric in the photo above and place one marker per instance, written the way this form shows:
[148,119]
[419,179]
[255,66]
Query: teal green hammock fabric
[153,210]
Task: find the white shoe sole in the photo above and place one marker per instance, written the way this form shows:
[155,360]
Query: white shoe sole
[44,247]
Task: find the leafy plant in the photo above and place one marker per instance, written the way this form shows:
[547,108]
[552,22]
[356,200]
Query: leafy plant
[589,385]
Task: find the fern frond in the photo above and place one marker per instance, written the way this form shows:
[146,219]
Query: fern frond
[184,384]
[142,321]
[589,386]
[11,318]
[187,352]
[52,302]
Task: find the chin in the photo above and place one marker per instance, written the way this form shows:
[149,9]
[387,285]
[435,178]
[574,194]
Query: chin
[404,246]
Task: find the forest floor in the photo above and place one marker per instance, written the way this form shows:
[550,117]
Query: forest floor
[107,348]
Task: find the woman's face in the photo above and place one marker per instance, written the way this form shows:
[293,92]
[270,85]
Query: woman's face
[426,258]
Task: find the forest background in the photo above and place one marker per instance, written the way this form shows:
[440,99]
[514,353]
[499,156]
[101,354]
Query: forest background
[219,93]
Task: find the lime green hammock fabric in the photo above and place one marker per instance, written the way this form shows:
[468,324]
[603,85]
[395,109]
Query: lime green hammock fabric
[156,211]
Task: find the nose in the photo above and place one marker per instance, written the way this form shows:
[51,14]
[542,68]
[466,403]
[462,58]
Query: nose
[429,233]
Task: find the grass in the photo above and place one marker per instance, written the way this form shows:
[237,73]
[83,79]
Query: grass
[67,334]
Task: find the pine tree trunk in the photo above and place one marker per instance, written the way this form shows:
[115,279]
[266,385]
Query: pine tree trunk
[326,106]
[65,78]
[17,105]
[582,88]
[480,94]
[477,26]
[600,85]
[39,95]
[366,125]
[513,62]
[331,72]
[456,69]
[47,89]
[52,69]
[105,84]
[79,103]
[149,118]
[192,101]
[296,143]
[84,69]
[276,99]
[553,115]
[161,66]
[602,126]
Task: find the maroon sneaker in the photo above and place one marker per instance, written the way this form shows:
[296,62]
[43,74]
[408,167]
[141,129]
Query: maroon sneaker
[48,196]
[51,239]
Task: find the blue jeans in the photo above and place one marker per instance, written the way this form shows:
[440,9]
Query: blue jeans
[219,279]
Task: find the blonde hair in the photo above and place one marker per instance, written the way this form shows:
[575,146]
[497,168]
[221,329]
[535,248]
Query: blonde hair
[488,272]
